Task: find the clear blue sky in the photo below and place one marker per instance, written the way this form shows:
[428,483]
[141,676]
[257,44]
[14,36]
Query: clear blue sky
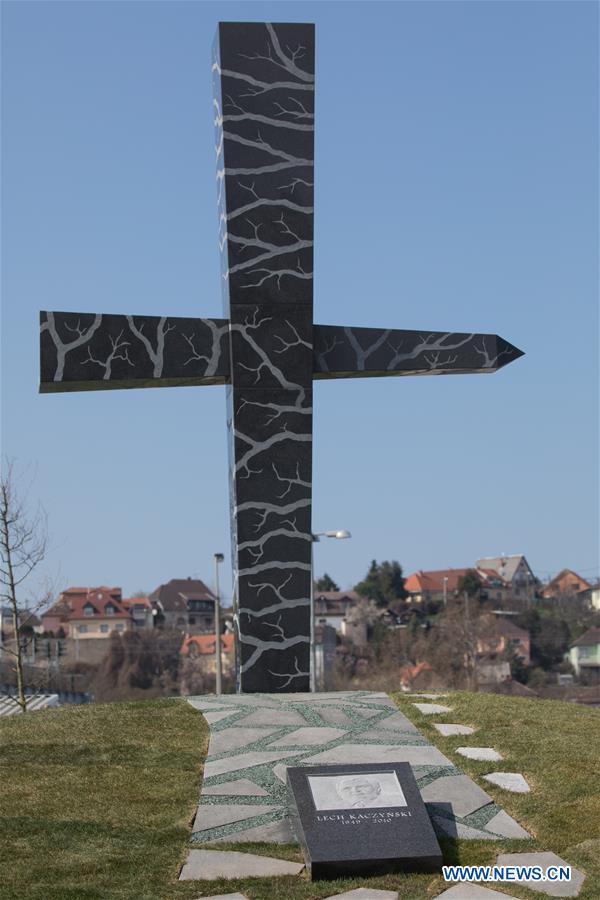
[456,188]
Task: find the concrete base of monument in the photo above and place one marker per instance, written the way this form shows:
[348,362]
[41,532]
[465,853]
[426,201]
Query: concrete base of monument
[254,738]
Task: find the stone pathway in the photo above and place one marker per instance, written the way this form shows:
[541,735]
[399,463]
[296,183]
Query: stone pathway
[206,865]
[254,737]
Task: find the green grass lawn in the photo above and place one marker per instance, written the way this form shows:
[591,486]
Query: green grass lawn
[97,801]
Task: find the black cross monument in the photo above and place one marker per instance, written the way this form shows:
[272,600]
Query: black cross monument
[267,350]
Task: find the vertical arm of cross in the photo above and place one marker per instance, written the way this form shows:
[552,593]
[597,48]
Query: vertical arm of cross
[264,106]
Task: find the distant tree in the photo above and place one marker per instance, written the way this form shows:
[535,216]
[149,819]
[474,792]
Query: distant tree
[383,583]
[549,637]
[23,539]
[326,583]
[469,584]
[551,642]
[518,670]
[139,664]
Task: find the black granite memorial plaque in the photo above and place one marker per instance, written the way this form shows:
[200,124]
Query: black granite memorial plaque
[361,820]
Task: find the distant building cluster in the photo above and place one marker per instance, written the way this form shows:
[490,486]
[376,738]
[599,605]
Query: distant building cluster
[80,622]
[95,613]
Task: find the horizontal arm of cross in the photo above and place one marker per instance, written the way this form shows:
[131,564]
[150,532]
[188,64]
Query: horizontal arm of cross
[87,351]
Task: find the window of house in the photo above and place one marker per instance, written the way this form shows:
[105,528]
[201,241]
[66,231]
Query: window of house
[575,585]
[119,627]
[192,620]
[104,629]
[82,629]
[99,596]
[109,610]
[584,652]
[88,610]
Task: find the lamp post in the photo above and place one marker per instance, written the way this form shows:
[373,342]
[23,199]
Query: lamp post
[340,535]
[218,558]
[445,579]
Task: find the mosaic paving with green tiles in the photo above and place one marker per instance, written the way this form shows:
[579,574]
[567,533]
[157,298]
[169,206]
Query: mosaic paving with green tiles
[253,737]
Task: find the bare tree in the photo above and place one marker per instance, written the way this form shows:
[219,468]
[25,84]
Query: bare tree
[23,541]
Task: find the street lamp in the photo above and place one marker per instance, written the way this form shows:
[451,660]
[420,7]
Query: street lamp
[340,535]
[445,579]
[218,558]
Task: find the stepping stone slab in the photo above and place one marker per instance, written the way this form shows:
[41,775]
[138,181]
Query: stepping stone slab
[243,787]
[309,737]
[365,894]
[398,722]
[211,815]
[280,770]
[212,717]
[472,892]
[272,716]
[234,738]
[243,761]
[334,716]
[458,830]
[375,753]
[207,865]
[510,781]
[430,696]
[449,730]
[430,709]
[365,712]
[505,826]
[225,897]
[552,888]
[463,795]
[485,754]
[279,832]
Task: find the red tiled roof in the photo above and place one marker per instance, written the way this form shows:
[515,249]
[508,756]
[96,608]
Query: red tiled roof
[92,590]
[72,598]
[78,604]
[204,644]
[434,580]
[555,582]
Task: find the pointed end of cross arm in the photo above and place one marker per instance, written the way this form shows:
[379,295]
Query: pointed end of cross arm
[506,353]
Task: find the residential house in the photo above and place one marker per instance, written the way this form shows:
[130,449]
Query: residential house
[592,595]
[332,607]
[516,572]
[185,604]
[140,610]
[97,616]
[202,647]
[440,585]
[419,677]
[86,613]
[498,635]
[584,655]
[566,583]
